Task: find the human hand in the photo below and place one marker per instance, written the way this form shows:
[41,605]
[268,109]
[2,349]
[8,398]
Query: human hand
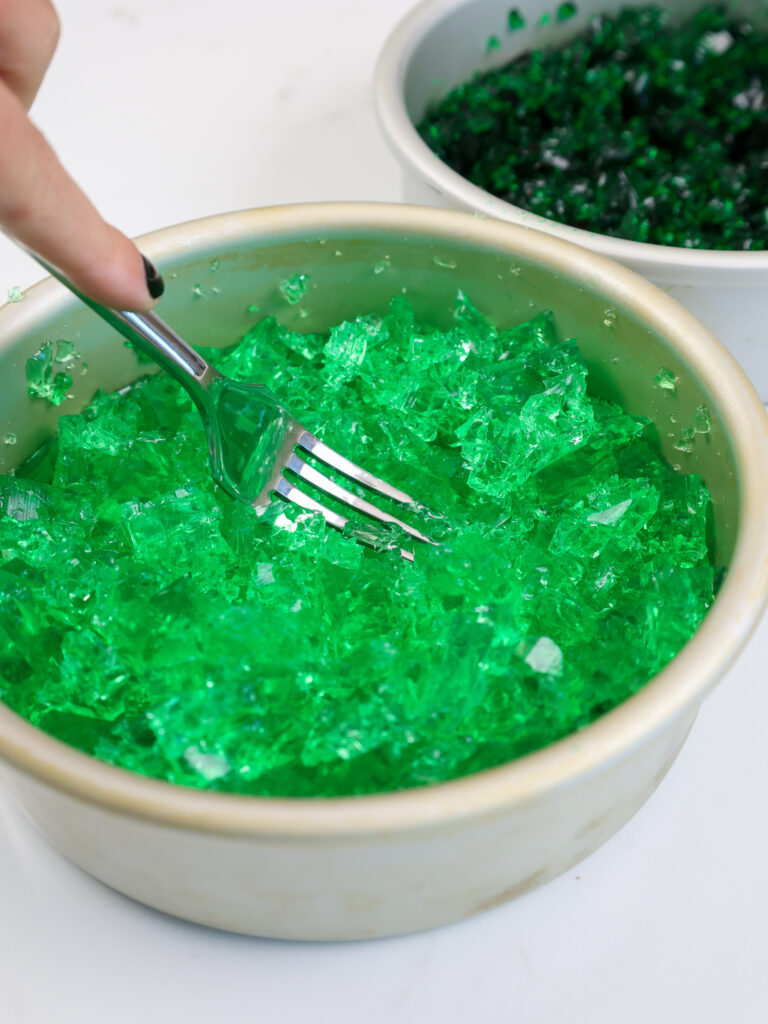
[40,204]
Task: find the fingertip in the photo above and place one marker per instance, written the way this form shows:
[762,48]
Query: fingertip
[120,278]
[137,283]
[155,283]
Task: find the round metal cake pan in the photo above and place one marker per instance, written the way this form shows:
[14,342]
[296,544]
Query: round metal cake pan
[441,44]
[359,867]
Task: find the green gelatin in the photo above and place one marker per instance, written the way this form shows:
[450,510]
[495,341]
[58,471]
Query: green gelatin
[666,380]
[150,620]
[702,420]
[44,380]
[294,288]
[566,11]
[515,20]
[639,126]
[66,352]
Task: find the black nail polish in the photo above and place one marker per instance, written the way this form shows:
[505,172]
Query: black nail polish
[155,283]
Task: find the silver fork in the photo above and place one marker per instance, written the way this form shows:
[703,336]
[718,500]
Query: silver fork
[252,439]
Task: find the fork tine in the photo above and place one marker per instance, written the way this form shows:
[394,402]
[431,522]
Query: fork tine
[327,455]
[292,493]
[311,475]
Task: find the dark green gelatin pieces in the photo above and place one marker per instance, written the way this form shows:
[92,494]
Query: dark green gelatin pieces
[150,620]
[640,126]
[515,20]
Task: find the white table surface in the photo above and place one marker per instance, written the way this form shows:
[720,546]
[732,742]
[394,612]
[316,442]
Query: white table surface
[166,110]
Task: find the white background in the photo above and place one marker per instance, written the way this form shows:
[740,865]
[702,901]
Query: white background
[166,110]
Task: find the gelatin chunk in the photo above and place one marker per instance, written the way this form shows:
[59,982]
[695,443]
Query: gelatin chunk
[150,620]
[640,126]
[44,379]
[666,380]
[702,420]
[294,288]
[515,20]
[66,352]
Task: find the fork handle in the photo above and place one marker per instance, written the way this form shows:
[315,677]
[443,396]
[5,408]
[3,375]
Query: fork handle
[147,332]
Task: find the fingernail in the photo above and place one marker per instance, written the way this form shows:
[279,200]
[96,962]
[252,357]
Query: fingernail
[155,283]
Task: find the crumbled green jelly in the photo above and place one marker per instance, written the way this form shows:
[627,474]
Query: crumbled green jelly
[640,127]
[148,619]
[44,380]
[515,20]
[294,288]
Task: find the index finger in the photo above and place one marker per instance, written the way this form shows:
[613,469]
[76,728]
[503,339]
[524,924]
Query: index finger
[42,207]
[29,32]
